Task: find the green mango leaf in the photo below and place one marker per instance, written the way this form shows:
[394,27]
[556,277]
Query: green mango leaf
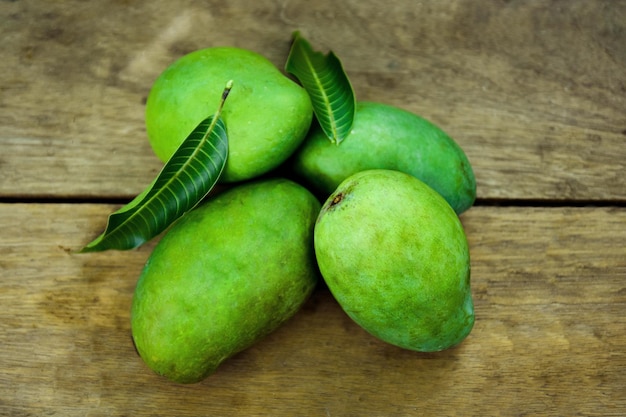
[323,77]
[187,177]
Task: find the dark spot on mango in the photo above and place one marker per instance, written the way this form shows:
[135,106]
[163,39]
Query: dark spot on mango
[337,199]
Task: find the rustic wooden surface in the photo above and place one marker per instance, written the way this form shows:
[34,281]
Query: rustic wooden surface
[534,91]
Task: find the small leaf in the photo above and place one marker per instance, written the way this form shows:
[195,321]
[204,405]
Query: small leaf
[184,181]
[323,77]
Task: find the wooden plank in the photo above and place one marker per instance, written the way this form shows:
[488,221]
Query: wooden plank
[534,92]
[549,288]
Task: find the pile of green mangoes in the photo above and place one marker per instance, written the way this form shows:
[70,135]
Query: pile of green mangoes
[375,217]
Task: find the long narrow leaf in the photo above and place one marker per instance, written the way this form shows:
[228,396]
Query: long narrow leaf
[186,178]
[323,77]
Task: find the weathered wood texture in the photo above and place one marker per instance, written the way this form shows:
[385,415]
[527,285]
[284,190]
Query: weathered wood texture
[534,91]
[549,337]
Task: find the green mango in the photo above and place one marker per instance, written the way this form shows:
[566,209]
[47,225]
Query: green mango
[225,275]
[387,137]
[267,115]
[395,257]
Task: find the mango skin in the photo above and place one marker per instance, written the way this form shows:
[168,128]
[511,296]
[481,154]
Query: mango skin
[267,115]
[224,276]
[387,137]
[395,257]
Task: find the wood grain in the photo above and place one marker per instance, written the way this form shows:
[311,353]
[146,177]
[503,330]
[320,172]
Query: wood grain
[534,92]
[549,339]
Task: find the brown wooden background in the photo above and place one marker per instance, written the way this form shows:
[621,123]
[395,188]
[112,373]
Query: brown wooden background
[534,91]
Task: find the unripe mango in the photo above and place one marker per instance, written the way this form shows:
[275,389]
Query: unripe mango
[395,256]
[225,275]
[387,137]
[267,115]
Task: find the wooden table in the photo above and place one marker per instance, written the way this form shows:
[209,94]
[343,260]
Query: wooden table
[535,92]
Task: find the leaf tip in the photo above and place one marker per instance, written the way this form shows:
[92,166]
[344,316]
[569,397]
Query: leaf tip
[295,34]
[92,246]
[87,249]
